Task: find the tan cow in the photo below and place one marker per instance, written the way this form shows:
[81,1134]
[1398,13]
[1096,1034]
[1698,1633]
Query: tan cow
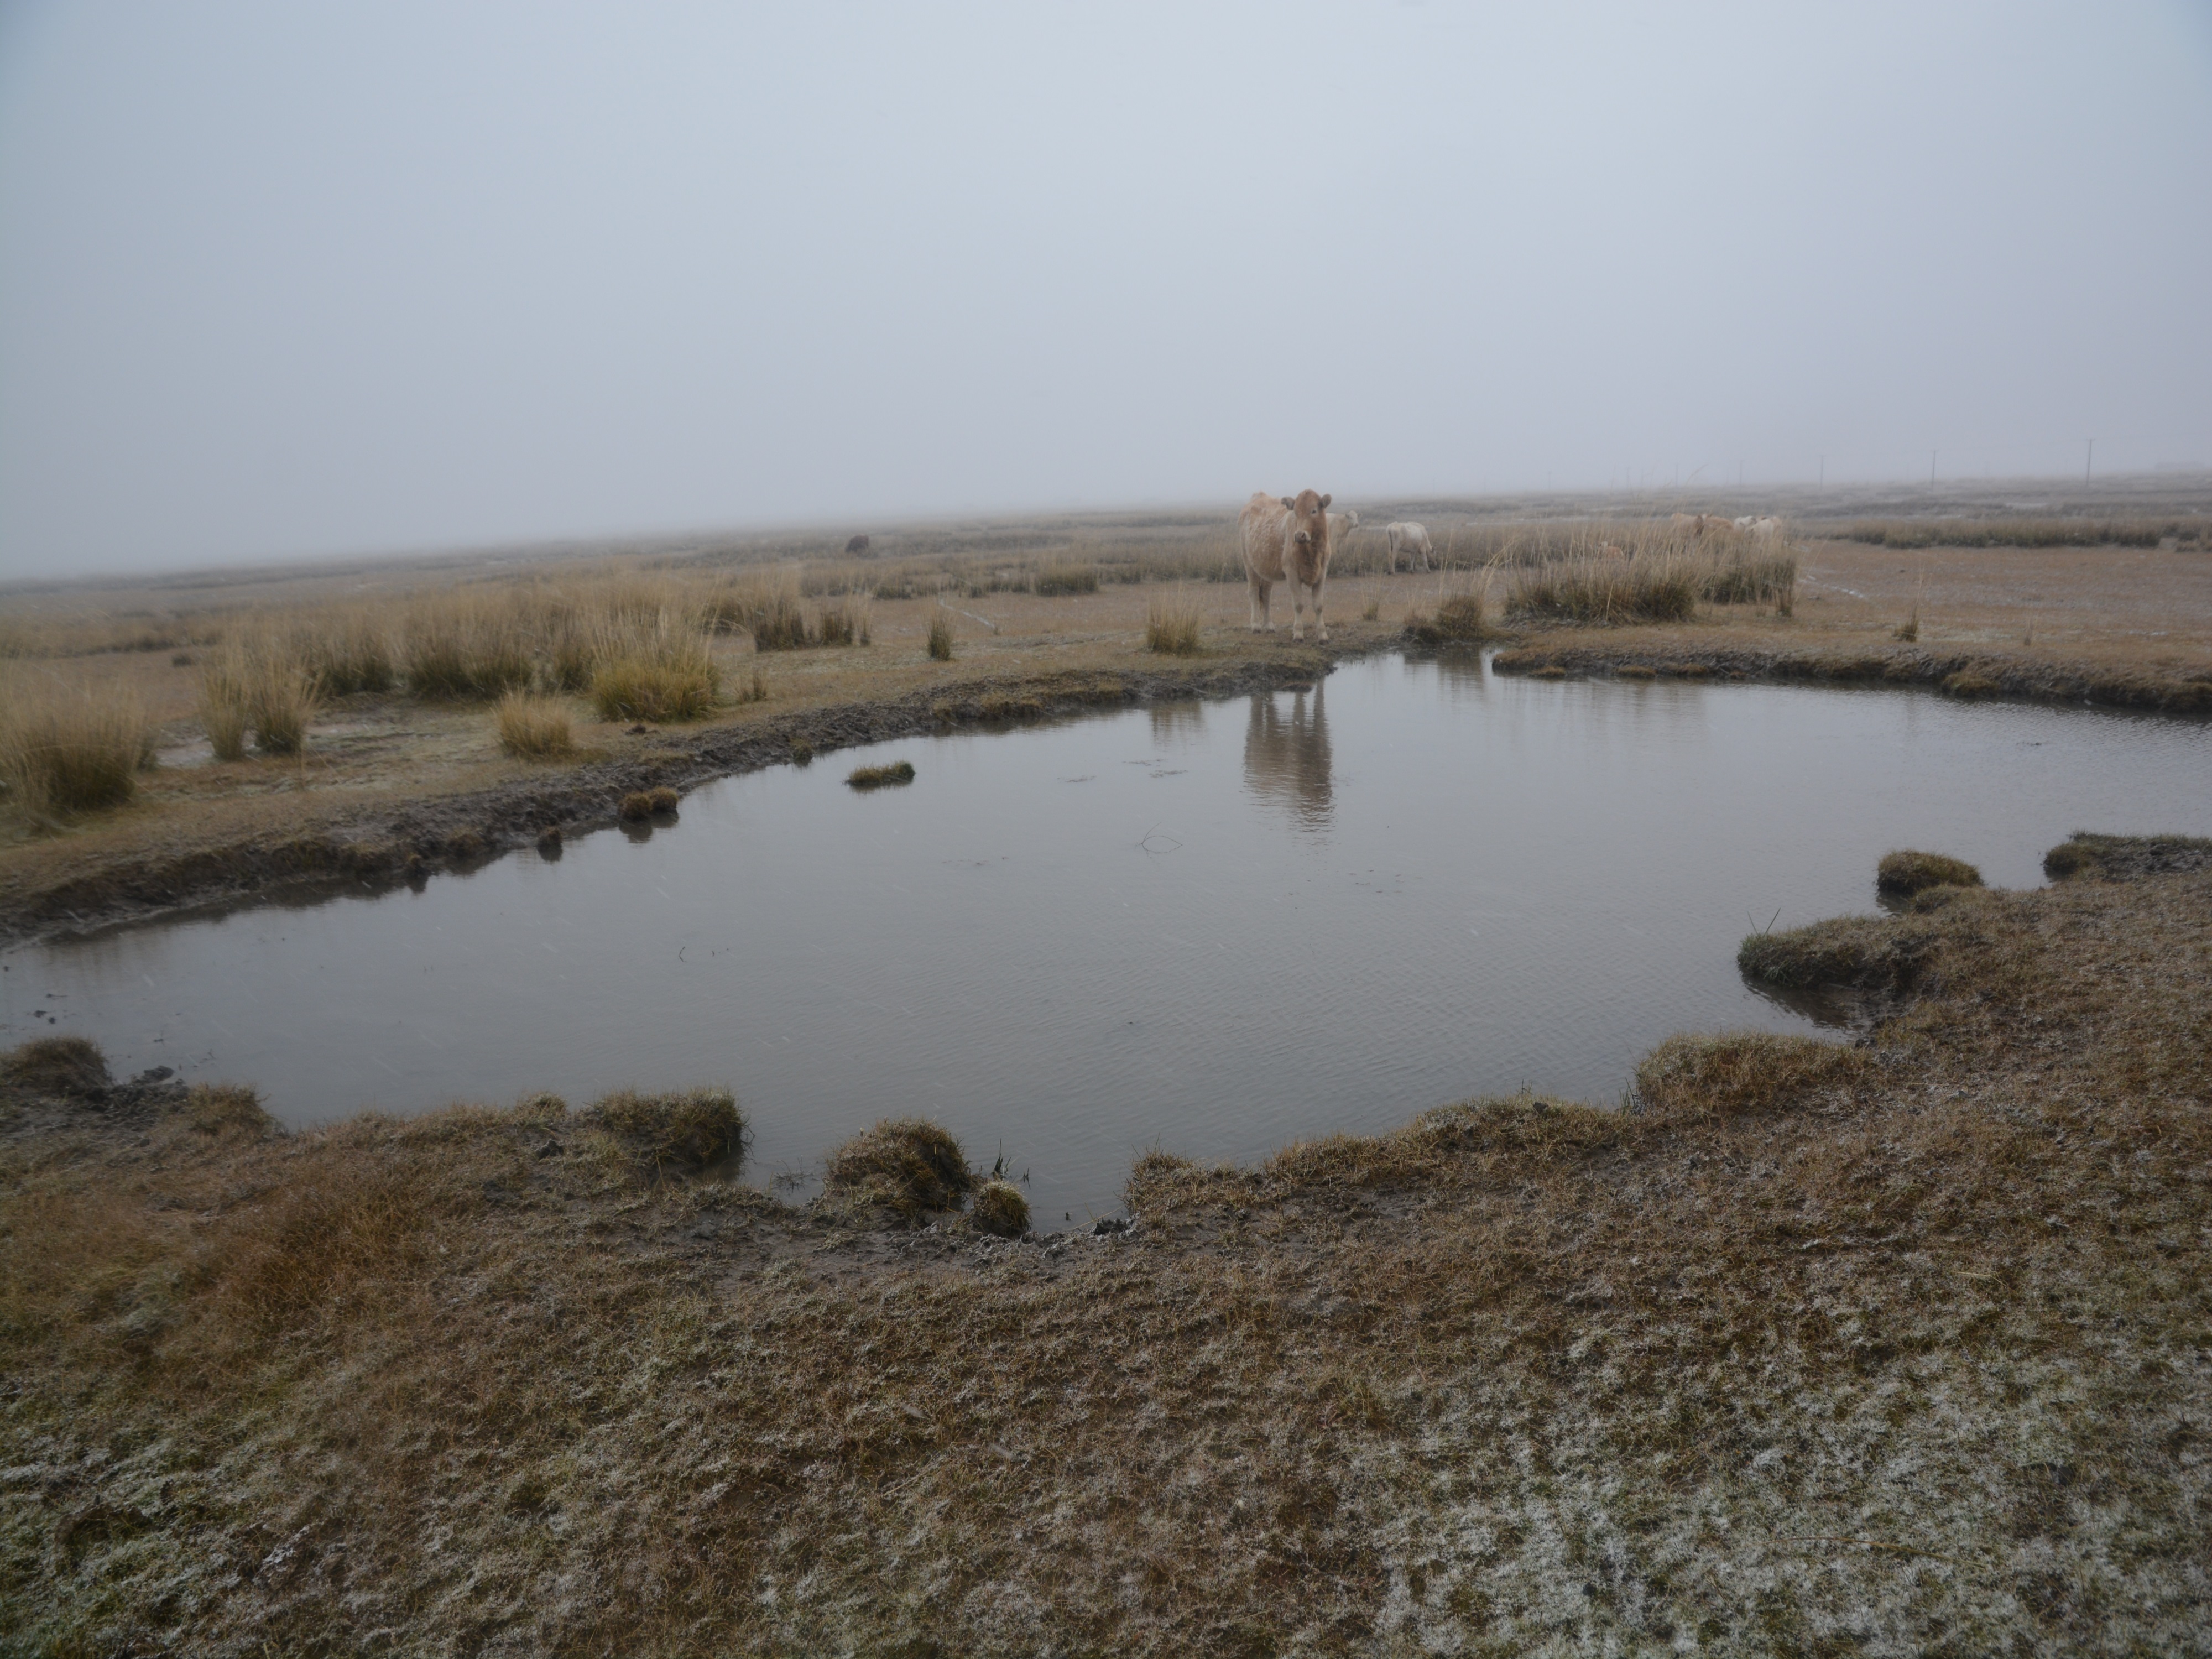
[1341,527]
[1285,539]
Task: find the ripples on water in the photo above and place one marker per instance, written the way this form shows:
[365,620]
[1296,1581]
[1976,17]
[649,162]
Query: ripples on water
[1213,928]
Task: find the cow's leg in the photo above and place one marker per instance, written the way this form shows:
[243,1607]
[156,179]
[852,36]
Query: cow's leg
[1321,623]
[1260,605]
[1297,616]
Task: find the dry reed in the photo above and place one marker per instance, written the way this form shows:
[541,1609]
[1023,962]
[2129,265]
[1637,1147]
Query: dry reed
[66,751]
[533,727]
[1172,625]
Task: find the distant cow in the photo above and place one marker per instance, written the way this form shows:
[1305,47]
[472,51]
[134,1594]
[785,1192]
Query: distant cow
[1341,527]
[1285,539]
[1766,526]
[857,544]
[1411,540]
[1702,524]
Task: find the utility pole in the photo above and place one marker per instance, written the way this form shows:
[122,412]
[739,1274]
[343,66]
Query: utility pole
[2089,460]
[1931,469]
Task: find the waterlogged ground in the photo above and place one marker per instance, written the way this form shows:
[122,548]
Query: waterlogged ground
[1213,928]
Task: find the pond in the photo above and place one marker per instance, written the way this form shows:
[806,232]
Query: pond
[1215,928]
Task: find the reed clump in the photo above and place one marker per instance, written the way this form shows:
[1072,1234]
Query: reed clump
[907,1165]
[533,727]
[940,638]
[460,647]
[1172,625]
[635,807]
[2026,532]
[1655,587]
[64,750]
[1462,616]
[662,669]
[1054,580]
[258,683]
[876,777]
[848,621]
[346,648]
[1906,873]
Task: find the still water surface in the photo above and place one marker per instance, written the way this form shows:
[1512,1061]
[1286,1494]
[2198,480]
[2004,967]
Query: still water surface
[1215,928]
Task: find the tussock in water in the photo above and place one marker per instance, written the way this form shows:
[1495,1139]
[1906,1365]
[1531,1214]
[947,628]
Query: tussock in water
[876,777]
[1908,873]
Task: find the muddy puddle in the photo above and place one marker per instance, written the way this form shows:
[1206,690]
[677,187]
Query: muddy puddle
[1212,928]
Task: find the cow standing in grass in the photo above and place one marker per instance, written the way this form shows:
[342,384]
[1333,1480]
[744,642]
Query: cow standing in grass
[1286,539]
[1411,539]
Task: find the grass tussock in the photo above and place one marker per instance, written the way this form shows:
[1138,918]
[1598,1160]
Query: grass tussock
[534,727]
[258,683]
[1688,1078]
[940,638]
[1461,617]
[877,777]
[662,669]
[1054,579]
[1660,588]
[1858,953]
[460,645]
[1172,625]
[227,1109]
[64,750]
[635,807]
[909,1166]
[848,621]
[1000,1209]
[71,1066]
[2126,858]
[695,1130]
[1906,873]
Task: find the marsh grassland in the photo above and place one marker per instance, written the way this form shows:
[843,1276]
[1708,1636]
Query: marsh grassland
[1891,1346]
[1895,1347]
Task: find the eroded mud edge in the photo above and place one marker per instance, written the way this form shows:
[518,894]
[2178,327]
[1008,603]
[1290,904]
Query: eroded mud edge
[1956,673]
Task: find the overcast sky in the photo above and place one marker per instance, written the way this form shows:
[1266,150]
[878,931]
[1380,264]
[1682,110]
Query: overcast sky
[317,278]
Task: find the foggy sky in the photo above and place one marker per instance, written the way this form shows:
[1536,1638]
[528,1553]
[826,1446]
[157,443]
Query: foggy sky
[288,280]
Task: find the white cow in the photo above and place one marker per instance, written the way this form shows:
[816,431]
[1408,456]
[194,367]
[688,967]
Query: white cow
[1411,539]
[1341,527]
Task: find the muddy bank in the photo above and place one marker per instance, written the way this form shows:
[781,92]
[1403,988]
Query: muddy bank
[1955,673]
[379,850]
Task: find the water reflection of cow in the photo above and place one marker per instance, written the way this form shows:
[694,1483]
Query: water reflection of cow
[1286,757]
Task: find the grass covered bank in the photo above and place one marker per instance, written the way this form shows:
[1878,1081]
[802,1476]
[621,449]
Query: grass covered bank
[1893,1348]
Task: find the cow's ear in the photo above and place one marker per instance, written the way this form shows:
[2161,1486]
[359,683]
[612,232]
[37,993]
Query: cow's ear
[1325,500]
[1291,501]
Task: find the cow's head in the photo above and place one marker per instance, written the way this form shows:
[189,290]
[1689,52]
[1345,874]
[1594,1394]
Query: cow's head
[1308,518]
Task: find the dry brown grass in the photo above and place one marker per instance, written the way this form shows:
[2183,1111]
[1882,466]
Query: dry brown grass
[1173,625]
[1908,872]
[907,1165]
[1521,1377]
[661,671]
[877,777]
[535,728]
[259,683]
[65,750]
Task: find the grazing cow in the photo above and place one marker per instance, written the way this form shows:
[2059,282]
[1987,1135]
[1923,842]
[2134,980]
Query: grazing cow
[1285,539]
[1766,526]
[857,544]
[1411,540]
